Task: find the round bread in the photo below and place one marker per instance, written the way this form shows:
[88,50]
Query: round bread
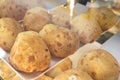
[9,29]
[29,53]
[105,17]
[44,77]
[36,18]
[60,67]
[11,9]
[73,74]
[61,41]
[87,28]
[61,16]
[100,65]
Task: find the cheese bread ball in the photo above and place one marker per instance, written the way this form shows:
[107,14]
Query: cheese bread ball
[36,18]
[105,17]
[87,28]
[100,64]
[9,29]
[61,41]
[29,53]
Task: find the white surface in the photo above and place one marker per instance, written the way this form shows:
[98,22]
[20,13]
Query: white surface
[2,53]
[113,46]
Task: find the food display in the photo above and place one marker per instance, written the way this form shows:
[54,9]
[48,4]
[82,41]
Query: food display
[36,18]
[61,41]
[9,29]
[43,44]
[29,53]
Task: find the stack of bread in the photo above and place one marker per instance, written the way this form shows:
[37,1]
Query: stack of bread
[31,51]
[43,36]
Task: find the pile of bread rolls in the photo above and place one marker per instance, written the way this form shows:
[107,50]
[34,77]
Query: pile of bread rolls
[96,64]
[47,33]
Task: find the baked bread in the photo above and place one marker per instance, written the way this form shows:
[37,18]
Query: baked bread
[7,73]
[100,64]
[36,18]
[60,67]
[12,9]
[104,16]
[61,41]
[29,53]
[44,77]
[87,28]
[73,74]
[61,16]
[9,29]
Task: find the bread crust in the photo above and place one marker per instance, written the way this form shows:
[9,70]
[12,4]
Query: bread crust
[61,41]
[30,53]
[9,29]
[100,64]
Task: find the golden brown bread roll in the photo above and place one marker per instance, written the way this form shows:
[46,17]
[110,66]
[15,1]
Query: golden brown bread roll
[44,77]
[87,28]
[100,65]
[60,67]
[36,18]
[105,17]
[61,41]
[73,74]
[11,9]
[29,53]
[9,29]
[61,16]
